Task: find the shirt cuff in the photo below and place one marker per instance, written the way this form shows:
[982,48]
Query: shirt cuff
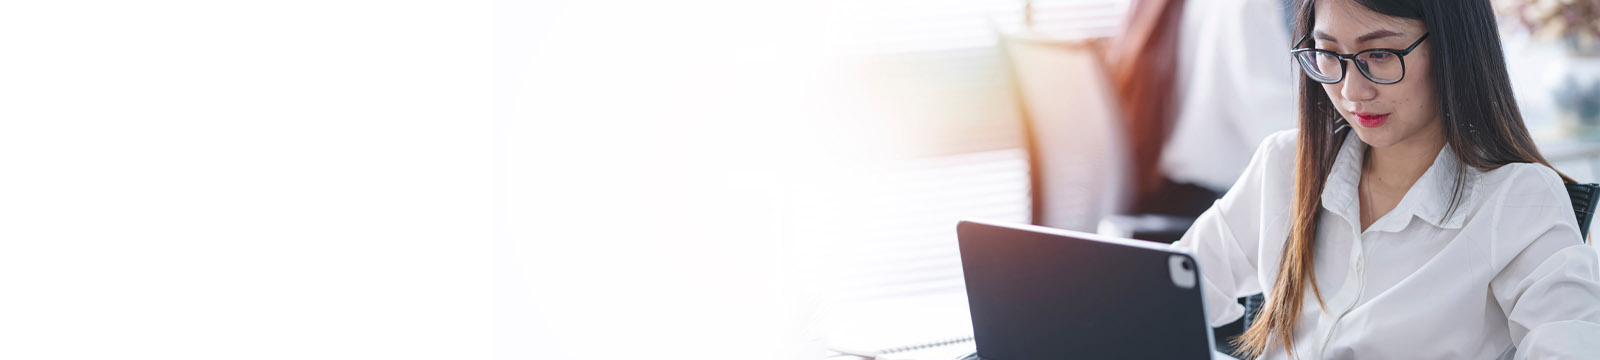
[1568,339]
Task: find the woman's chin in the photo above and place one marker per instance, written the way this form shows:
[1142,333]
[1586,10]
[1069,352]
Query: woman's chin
[1376,137]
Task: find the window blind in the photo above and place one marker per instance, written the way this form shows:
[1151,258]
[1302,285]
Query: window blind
[928,79]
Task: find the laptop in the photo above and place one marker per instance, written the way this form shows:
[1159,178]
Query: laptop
[1043,293]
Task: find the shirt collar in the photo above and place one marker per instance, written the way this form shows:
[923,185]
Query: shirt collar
[1428,199]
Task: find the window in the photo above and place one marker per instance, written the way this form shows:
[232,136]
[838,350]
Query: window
[932,85]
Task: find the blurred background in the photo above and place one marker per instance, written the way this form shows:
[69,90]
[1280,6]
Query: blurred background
[790,174]
[620,179]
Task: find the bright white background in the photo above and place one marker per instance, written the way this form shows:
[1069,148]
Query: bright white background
[702,179]
[245,180]
[345,179]
[642,151]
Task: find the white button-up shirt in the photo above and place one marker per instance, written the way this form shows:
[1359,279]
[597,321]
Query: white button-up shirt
[1505,275]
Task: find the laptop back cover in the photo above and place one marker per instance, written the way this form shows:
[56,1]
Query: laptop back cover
[1041,293]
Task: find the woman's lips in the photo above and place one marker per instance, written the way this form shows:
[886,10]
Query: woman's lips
[1371,120]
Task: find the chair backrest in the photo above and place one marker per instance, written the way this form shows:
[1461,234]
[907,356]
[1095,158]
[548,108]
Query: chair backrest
[1073,124]
[1584,198]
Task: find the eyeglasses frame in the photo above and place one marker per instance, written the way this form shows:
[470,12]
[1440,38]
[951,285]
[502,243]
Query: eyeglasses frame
[1346,59]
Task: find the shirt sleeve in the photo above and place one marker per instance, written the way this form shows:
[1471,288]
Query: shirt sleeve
[1549,283]
[1224,239]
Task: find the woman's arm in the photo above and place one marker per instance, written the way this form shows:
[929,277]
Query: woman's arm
[1225,239]
[1547,281]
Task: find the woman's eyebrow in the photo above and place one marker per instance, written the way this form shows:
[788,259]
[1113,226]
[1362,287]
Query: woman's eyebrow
[1363,38]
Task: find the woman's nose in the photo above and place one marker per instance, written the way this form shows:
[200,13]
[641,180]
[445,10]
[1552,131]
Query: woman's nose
[1358,87]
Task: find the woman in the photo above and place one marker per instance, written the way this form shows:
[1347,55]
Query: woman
[1410,216]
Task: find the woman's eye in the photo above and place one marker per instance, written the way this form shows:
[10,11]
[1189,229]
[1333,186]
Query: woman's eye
[1379,56]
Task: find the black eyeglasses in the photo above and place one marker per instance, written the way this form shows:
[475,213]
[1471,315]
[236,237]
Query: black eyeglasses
[1383,66]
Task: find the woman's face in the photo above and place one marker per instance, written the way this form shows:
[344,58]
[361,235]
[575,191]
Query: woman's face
[1382,115]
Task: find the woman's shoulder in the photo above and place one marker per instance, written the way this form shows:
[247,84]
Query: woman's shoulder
[1523,184]
[1520,204]
[1270,174]
[1282,141]
[1274,158]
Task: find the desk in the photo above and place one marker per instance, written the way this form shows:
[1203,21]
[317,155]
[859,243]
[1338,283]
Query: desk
[837,356]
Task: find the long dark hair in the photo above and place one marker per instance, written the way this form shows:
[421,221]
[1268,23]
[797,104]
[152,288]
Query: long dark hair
[1480,122]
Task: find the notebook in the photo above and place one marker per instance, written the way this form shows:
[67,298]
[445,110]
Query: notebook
[920,327]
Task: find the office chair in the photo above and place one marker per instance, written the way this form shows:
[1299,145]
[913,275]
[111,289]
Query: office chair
[1077,162]
[1584,198]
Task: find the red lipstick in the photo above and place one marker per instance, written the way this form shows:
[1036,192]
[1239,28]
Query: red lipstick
[1370,120]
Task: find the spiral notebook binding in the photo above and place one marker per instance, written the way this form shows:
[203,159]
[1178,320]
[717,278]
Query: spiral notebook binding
[926,345]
